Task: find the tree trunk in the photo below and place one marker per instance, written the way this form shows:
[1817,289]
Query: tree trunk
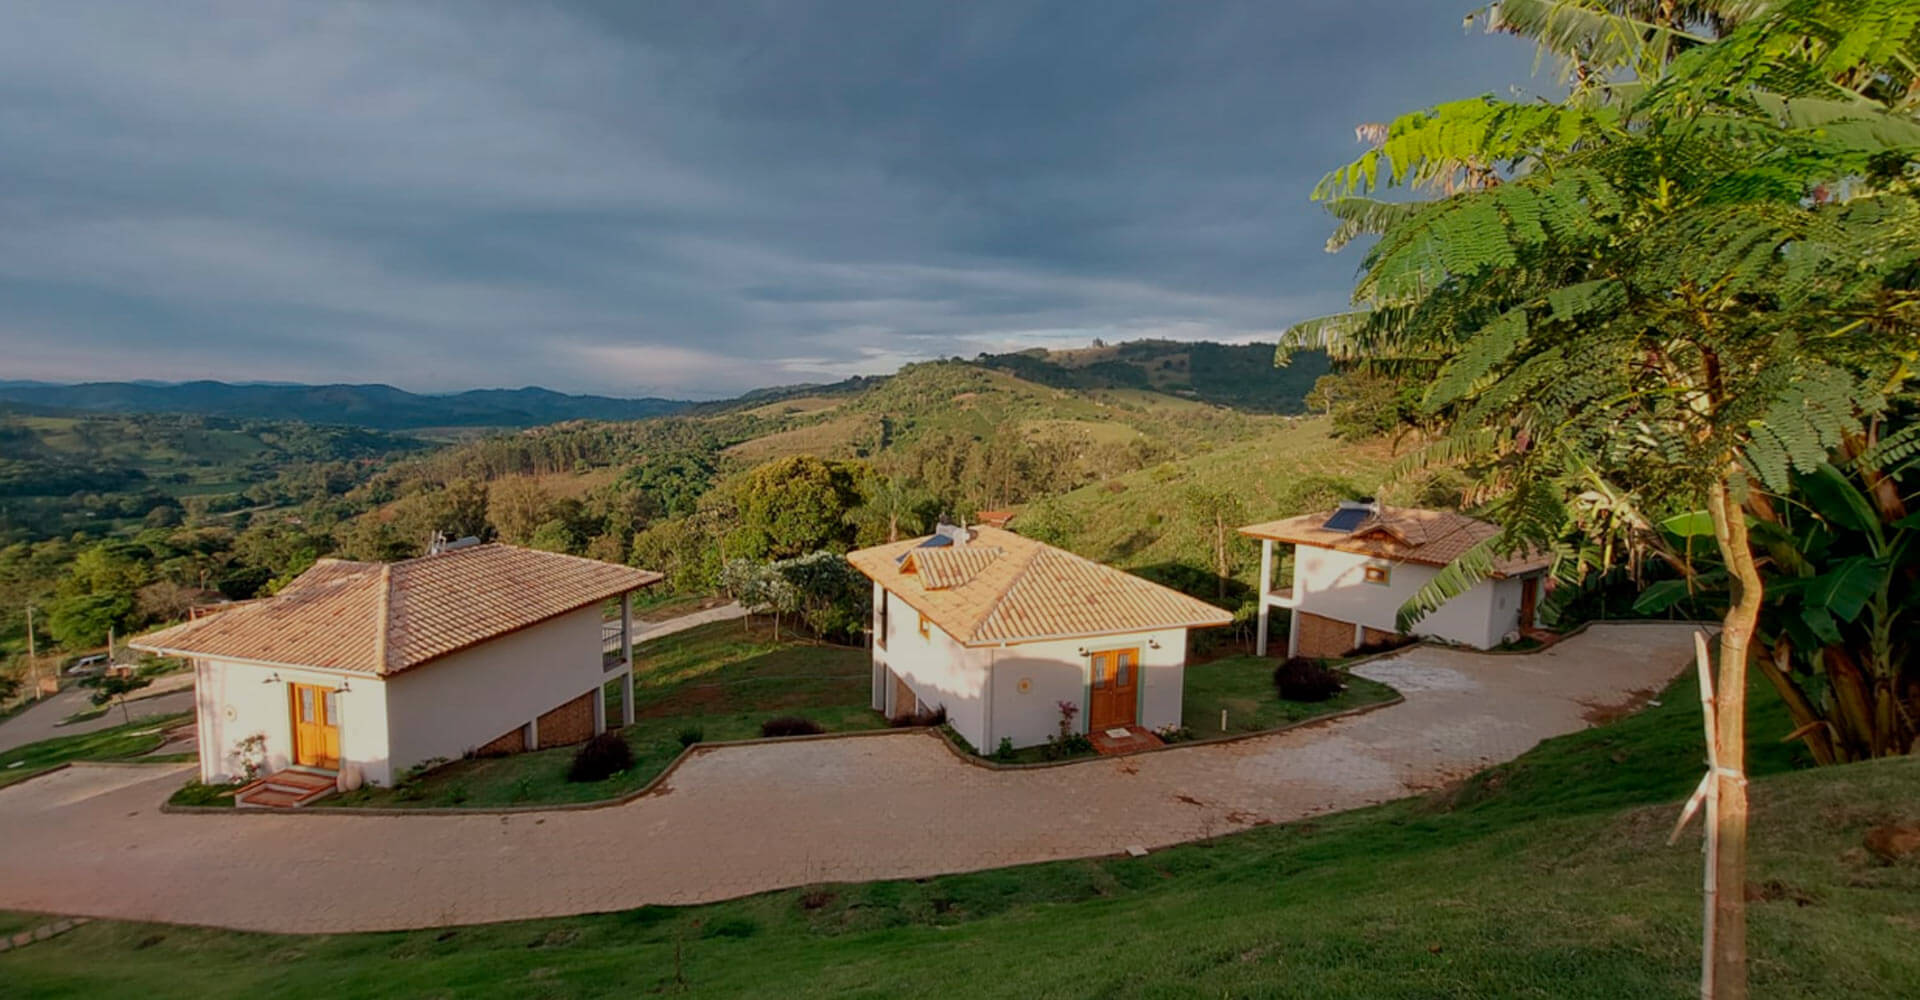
[1813,727]
[1729,917]
[1851,699]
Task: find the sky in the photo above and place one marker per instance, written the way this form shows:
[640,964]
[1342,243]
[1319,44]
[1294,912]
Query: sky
[679,199]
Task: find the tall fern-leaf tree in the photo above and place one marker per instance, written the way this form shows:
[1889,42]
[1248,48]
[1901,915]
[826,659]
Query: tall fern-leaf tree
[1688,282]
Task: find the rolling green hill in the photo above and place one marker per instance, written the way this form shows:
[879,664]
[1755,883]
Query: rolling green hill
[62,473]
[1238,375]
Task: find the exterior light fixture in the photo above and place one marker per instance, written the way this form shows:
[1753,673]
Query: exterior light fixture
[275,679]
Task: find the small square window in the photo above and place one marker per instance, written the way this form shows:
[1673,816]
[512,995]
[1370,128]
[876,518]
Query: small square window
[1375,574]
[924,634]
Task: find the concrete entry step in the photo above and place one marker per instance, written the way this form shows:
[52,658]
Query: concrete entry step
[286,789]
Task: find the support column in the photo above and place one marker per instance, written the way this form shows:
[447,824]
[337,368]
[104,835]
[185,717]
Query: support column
[599,709]
[626,628]
[1266,591]
[1293,632]
[626,698]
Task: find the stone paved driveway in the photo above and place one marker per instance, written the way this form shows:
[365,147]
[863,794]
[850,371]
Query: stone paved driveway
[91,840]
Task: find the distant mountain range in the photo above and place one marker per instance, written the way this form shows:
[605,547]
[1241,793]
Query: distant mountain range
[1241,376]
[382,407]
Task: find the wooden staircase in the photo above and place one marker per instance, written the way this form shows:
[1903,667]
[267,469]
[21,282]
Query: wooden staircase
[288,789]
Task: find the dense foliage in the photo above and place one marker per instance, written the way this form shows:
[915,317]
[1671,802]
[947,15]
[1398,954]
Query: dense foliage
[1686,287]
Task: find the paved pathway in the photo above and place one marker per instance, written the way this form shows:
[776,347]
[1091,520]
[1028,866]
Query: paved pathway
[169,694]
[733,821]
[642,631]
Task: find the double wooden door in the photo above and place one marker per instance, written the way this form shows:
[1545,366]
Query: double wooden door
[1116,689]
[316,726]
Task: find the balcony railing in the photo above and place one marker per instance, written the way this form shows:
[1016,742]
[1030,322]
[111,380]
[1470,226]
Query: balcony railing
[613,645]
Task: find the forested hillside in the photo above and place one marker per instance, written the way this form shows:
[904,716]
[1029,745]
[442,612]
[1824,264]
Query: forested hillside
[97,473]
[125,521]
[1237,375]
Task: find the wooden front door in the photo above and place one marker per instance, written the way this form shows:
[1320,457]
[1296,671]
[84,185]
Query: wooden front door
[1529,597]
[316,726]
[1116,689]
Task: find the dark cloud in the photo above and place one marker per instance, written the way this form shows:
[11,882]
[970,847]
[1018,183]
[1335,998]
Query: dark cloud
[677,198]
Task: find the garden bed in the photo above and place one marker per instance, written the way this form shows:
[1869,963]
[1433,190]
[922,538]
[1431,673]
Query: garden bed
[1242,686]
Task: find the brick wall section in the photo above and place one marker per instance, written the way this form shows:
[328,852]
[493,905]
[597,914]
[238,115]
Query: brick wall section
[1323,636]
[570,723]
[1375,635]
[513,742]
[904,700]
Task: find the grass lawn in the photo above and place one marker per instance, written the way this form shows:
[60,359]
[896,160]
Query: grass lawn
[718,680]
[85,714]
[1546,877]
[119,743]
[1243,687]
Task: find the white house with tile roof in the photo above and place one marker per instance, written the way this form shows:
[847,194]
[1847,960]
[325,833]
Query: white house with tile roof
[999,629]
[371,668]
[1354,567]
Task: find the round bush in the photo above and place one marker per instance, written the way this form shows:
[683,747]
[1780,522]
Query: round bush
[789,725]
[600,758]
[1303,679]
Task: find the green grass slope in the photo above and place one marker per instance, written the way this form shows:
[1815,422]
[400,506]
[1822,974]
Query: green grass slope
[1547,877]
[1142,520]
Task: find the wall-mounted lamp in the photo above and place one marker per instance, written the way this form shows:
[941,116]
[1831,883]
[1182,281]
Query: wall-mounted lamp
[275,679]
[1082,651]
[345,686]
[1153,644]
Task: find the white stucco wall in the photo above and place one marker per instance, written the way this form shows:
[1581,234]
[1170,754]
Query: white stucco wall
[236,700]
[1332,583]
[1057,671]
[940,671]
[459,702]
[1506,606]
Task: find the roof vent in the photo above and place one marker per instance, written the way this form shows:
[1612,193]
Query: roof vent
[1351,514]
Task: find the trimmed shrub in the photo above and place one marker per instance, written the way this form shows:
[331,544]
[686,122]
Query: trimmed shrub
[789,725]
[1303,679]
[600,758]
[691,735]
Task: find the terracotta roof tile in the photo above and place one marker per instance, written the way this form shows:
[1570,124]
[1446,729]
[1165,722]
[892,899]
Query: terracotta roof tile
[1027,591]
[1404,534]
[381,618]
[941,568]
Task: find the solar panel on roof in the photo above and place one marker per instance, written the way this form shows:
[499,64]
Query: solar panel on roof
[932,542]
[1346,519]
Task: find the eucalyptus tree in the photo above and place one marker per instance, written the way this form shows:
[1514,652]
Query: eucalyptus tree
[1677,288]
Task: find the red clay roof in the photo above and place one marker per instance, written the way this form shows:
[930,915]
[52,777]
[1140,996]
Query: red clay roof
[1001,588]
[382,618]
[1402,534]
